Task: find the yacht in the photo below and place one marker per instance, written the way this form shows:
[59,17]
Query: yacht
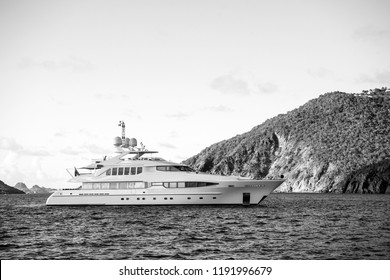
[135,176]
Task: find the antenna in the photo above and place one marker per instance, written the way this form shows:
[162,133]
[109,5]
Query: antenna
[122,123]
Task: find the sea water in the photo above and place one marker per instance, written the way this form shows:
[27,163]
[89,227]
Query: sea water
[283,226]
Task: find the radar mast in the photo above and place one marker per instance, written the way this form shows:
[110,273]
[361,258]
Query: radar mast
[122,123]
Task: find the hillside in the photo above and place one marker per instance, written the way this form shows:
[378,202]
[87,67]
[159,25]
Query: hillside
[34,189]
[5,189]
[338,142]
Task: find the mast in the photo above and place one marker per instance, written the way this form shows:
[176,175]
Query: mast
[122,123]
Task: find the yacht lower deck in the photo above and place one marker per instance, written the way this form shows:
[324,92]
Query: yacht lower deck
[247,194]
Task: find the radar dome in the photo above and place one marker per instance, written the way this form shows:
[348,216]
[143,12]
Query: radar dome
[133,142]
[117,141]
[127,142]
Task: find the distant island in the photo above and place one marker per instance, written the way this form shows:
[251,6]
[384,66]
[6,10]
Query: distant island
[34,189]
[21,188]
[338,142]
[5,189]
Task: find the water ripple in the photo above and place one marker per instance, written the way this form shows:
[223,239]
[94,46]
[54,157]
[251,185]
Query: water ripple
[284,226]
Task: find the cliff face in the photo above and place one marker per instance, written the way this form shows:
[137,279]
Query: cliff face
[338,142]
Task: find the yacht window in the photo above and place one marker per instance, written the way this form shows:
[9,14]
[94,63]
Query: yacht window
[139,170]
[161,168]
[127,170]
[120,171]
[174,168]
[136,185]
[87,186]
[108,172]
[114,171]
[191,184]
[184,184]
[133,169]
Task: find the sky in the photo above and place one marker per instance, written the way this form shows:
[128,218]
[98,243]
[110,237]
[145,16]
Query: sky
[182,74]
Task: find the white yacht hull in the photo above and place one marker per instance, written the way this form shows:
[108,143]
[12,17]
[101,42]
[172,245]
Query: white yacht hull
[244,192]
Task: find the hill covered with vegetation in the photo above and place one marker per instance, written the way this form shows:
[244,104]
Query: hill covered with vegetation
[5,189]
[338,142]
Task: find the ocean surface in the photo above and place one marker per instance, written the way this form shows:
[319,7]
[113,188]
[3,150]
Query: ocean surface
[284,226]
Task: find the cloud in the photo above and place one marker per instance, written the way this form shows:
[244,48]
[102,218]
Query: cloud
[371,33]
[173,134]
[11,145]
[10,168]
[16,167]
[382,77]
[72,151]
[88,134]
[94,149]
[267,88]
[320,72]
[104,96]
[220,109]
[60,134]
[84,149]
[178,116]
[229,84]
[112,96]
[167,145]
[72,63]
[40,153]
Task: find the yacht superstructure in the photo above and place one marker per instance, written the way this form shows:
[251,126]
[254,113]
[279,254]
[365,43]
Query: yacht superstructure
[133,176]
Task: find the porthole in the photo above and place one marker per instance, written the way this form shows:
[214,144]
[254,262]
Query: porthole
[154,198]
[214,197]
[171,198]
[188,197]
[200,197]
[137,198]
[143,198]
[122,198]
[165,198]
